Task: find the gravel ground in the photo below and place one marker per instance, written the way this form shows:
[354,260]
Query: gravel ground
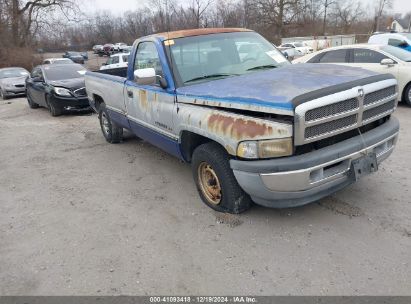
[80,216]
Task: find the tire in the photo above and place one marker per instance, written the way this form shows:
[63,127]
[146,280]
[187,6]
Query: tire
[111,131]
[52,108]
[407,95]
[211,163]
[2,95]
[31,103]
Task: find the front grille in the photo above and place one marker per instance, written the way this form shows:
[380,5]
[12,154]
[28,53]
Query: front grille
[331,126]
[377,111]
[333,109]
[322,118]
[80,92]
[379,95]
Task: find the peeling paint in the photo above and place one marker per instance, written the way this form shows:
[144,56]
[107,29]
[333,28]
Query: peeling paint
[143,99]
[238,128]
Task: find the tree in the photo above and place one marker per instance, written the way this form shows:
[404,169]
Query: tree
[380,8]
[25,17]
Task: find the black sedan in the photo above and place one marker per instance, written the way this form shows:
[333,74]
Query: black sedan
[57,87]
[74,56]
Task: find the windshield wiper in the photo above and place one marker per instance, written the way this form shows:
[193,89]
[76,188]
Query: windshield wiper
[262,67]
[210,76]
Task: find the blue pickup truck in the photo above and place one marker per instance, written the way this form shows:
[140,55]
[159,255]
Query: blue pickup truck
[254,127]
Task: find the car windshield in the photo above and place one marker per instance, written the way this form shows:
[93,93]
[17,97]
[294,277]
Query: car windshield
[62,61]
[215,56]
[397,52]
[11,73]
[298,44]
[64,72]
[73,54]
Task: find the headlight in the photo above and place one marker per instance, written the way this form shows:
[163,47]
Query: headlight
[9,85]
[62,92]
[265,148]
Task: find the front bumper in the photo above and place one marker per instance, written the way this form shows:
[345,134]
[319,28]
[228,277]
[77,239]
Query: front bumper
[299,180]
[70,103]
[15,91]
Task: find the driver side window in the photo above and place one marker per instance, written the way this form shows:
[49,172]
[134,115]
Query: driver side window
[147,57]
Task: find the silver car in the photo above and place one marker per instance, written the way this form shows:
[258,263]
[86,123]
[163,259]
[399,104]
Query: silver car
[12,82]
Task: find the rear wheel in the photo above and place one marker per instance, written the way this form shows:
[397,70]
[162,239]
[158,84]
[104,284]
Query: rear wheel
[407,95]
[111,131]
[54,111]
[215,180]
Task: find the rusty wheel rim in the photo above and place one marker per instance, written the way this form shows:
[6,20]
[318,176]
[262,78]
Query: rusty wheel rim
[209,184]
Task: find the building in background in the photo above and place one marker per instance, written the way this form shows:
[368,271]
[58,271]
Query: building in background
[401,25]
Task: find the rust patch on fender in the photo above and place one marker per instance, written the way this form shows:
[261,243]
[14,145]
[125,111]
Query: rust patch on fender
[143,99]
[238,128]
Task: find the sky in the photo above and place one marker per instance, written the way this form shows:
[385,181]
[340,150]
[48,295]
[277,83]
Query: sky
[120,6]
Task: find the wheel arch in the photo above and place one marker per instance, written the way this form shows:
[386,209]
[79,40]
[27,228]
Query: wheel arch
[189,141]
[98,100]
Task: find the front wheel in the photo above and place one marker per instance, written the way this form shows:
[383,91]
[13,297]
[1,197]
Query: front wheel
[407,95]
[216,182]
[54,111]
[111,131]
[3,95]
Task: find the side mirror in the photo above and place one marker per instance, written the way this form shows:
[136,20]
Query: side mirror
[387,62]
[145,76]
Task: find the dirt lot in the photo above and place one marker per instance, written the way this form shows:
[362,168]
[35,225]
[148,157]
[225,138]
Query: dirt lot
[80,216]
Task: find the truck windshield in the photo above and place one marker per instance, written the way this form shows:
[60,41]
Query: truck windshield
[209,57]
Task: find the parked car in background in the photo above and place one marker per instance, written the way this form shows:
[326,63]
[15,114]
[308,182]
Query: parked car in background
[97,48]
[116,61]
[12,82]
[374,57]
[108,49]
[118,47]
[290,53]
[127,49]
[300,47]
[401,40]
[76,57]
[85,55]
[57,87]
[58,61]
[254,127]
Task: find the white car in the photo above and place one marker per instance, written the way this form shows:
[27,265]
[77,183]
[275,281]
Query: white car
[57,61]
[301,47]
[116,61]
[402,40]
[118,47]
[378,58]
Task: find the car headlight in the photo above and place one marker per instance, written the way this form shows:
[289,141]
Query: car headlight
[265,148]
[9,85]
[62,92]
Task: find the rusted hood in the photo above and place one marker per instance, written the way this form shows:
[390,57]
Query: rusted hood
[277,90]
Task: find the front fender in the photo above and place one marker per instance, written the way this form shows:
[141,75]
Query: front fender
[228,128]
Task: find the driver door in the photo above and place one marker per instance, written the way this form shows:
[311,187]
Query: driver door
[35,89]
[150,106]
